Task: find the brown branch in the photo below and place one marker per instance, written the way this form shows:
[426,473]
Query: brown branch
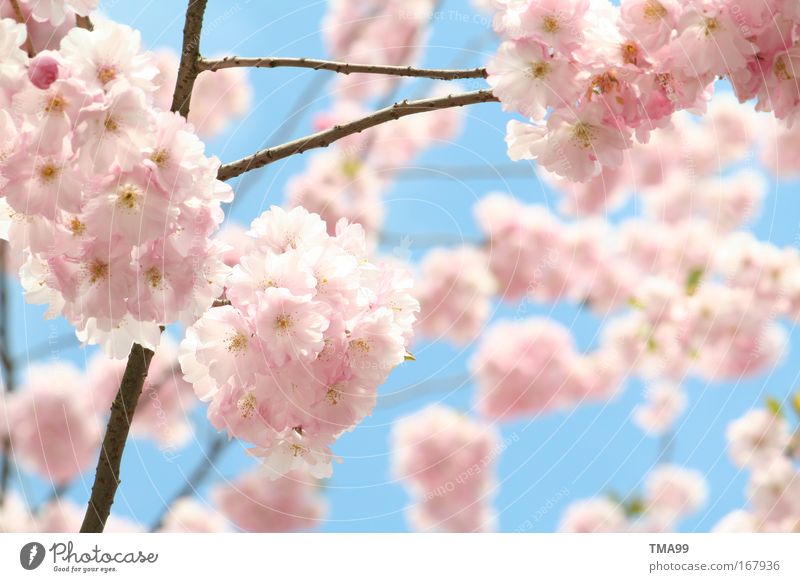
[190,57]
[195,479]
[21,19]
[327,137]
[106,479]
[339,67]
[8,368]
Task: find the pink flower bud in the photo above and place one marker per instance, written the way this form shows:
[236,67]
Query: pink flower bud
[43,71]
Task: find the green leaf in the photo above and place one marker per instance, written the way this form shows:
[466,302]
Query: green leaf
[774,406]
[693,280]
[410,357]
[796,403]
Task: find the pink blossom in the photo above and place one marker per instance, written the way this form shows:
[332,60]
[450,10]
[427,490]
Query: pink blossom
[710,40]
[56,11]
[454,294]
[312,330]
[757,438]
[447,462]
[665,403]
[577,143]
[190,516]
[336,185]
[672,492]
[529,367]
[43,70]
[555,24]
[107,56]
[525,77]
[593,516]
[52,430]
[256,503]
[774,490]
[15,517]
[738,521]
[649,22]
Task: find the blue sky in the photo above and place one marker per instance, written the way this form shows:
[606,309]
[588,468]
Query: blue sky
[549,461]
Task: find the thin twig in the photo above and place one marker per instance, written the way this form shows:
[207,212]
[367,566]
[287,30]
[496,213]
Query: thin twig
[327,137]
[411,240]
[196,477]
[190,57]
[21,19]
[339,67]
[424,388]
[489,172]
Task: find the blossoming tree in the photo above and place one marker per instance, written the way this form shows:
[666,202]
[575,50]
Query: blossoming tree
[112,210]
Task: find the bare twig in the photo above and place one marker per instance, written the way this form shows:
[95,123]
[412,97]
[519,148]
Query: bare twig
[339,67]
[423,388]
[196,477]
[190,57]
[327,137]
[412,240]
[488,172]
[21,19]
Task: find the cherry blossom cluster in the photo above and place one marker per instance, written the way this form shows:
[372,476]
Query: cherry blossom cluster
[447,462]
[454,289]
[349,178]
[593,77]
[676,173]
[110,200]
[763,442]
[218,97]
[380,32]
[523,368]
[671,493]
[52,427]
[48,21]
[257,502]
[695,298]
[312,329]
[664,403]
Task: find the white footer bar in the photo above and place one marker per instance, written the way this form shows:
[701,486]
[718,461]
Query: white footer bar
[406,557]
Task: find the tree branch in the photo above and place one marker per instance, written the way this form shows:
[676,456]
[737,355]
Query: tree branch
[195,479]
[8,368]
[339,67]
[190,57]
[20,17]
[106,479]
[327,137]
